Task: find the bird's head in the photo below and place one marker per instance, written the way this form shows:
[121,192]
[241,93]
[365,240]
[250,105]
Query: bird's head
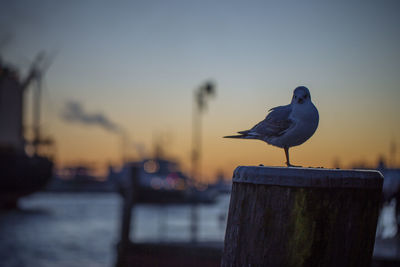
[301,95]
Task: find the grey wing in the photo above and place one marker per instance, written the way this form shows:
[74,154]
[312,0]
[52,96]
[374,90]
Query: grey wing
[275,123]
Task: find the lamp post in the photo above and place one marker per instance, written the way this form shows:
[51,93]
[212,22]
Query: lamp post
[201,95]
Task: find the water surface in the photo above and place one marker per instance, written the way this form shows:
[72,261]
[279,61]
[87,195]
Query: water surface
[83,229]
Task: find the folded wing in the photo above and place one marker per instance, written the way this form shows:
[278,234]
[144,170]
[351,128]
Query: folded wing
[276,123]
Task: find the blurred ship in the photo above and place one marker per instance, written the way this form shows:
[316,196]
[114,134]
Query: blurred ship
[159,180]
[21,174]
[80,178]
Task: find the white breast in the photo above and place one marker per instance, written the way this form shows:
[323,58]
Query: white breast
[306,120]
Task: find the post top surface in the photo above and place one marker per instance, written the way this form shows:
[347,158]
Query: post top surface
[308,177]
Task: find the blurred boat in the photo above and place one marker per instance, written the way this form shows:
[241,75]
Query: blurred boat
[158,180]
[20,174]
[78,179]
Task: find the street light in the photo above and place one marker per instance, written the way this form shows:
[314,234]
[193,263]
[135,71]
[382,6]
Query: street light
[202,94]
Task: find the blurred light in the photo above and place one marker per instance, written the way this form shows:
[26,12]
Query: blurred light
[170,182]
[151,166]
[156,183]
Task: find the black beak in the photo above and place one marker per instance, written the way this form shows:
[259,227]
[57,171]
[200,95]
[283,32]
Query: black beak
[300,101]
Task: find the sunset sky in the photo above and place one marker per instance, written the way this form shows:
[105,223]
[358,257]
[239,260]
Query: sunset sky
[139,62]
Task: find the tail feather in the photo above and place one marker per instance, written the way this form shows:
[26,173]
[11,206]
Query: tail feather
[244,132]
[235,136]
[243,135]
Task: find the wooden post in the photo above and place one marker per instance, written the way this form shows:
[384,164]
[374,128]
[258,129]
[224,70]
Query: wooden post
[302,217]
[129,195]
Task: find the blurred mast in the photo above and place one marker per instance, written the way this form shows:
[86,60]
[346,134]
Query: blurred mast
[36,113]
[39,67]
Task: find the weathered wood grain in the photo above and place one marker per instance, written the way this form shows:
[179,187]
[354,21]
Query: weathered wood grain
[304,218]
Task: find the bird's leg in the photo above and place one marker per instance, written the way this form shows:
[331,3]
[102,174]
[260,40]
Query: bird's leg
[287,158]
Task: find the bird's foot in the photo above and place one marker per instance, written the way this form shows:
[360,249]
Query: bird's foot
[290,165]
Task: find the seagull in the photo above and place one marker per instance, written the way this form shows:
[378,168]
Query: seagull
[286,126]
